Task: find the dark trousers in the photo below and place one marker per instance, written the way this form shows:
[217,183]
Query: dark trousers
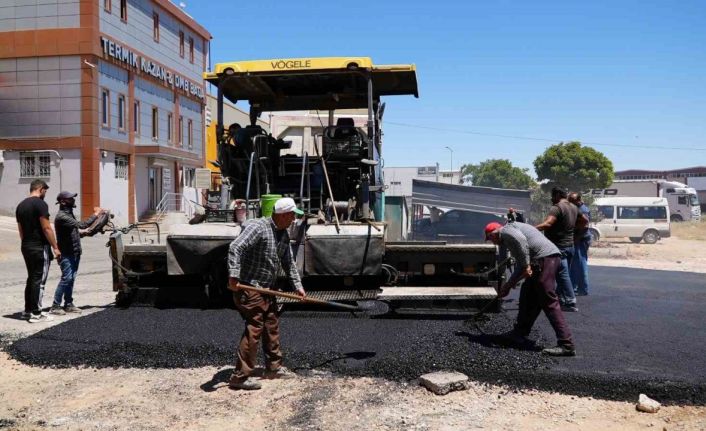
[37,260]
[261,321]
[538,294]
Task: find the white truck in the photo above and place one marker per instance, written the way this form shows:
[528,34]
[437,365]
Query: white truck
[683,200]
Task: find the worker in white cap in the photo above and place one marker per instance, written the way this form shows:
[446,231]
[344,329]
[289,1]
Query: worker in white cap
[255,258]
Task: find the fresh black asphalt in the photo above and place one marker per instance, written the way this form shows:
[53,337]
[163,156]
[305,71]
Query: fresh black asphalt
[638,331]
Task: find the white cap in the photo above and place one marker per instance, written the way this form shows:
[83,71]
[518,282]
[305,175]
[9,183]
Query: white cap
[287,205]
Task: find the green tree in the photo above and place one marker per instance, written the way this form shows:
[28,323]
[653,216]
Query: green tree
[573,167]
[497,173]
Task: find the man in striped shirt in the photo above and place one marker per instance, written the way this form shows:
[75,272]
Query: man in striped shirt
[255,258]
[537,261]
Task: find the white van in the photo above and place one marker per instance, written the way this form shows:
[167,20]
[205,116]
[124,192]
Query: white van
[640,219]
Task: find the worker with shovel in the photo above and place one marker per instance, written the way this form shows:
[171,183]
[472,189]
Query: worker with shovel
[254,259]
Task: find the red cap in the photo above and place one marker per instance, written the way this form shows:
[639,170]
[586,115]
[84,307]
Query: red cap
[491,227]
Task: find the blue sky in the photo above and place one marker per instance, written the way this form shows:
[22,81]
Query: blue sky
[627,74]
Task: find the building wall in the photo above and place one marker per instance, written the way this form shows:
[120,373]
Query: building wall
[152,95]
[138,34]
[64,175]
[115,80]
[192,110]
[40,96]
[142,184]
[38,14]
[114,191]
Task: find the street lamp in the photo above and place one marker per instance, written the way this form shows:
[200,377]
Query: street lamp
[452,164]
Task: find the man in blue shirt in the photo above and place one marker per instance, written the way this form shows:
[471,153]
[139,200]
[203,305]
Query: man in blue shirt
[582,241]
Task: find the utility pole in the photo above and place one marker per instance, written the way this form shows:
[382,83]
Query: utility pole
[452,164]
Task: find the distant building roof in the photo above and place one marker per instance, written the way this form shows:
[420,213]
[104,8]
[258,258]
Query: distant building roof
[682,172]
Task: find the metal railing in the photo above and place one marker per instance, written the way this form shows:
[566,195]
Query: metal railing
[174,202]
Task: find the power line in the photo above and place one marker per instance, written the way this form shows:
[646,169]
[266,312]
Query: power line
[527,138]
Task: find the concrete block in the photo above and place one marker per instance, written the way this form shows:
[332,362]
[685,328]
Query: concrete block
[647,404]
[443,382]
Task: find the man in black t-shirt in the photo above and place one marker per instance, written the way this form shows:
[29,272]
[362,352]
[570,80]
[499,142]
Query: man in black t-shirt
[38,243]
[559,228]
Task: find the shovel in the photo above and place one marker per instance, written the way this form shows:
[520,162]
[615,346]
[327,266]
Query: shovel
[304,299]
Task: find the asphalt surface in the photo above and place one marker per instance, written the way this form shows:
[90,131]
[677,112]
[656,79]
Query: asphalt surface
[640,331]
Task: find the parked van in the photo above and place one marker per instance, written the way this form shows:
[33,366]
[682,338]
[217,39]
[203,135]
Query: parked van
[640,219]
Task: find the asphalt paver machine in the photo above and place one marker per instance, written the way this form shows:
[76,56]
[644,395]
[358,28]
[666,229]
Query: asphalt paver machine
[340,245]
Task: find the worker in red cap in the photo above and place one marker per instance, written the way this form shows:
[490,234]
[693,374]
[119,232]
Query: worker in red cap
[537,261]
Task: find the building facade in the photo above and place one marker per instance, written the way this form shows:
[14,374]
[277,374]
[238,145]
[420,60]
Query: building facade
[102,97]
[398,180]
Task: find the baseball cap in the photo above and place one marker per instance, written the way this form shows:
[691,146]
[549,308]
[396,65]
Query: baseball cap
[287,205]
[491,227]
[65,195]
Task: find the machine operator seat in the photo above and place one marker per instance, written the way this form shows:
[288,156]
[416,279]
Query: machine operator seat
[345,128]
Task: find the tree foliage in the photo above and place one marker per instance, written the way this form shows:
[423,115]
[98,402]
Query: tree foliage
[573,167]
[498,173]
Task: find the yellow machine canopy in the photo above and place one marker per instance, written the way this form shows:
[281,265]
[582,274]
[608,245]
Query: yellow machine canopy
[311,83]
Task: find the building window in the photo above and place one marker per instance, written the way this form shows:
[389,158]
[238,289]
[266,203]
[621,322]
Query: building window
[107,5]
[191,49]
[155,124]
[189,133]
[189,174]
[180,132]
[121,112]
[123,10]
[181,44]
[105,108]
[155,26]
[121,166]
[136,116]
[170,121]
[35,165]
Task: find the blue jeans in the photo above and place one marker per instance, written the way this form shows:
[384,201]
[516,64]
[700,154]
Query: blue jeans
[579,266]
[65,289]
[564,288]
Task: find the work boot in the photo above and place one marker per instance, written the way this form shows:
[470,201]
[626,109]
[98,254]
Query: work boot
[246,385]
[40,318]
[569,308]
[513,339]
[280,373]
[57,310]
[560,351]
[71,308]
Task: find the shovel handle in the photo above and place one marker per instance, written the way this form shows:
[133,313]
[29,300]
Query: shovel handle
[297,297]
